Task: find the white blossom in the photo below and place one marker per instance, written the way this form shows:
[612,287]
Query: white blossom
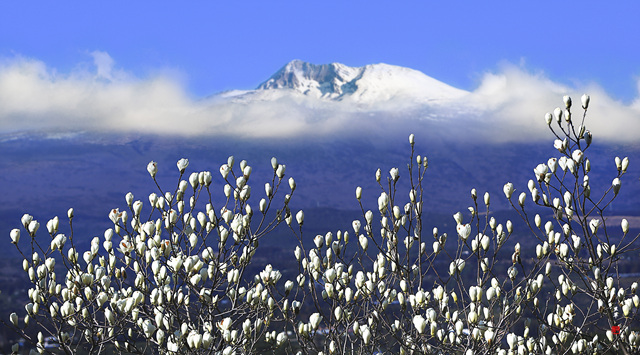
[152,168]
[182,164]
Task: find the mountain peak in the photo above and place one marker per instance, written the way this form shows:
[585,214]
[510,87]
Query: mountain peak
[325,80]
[371,83]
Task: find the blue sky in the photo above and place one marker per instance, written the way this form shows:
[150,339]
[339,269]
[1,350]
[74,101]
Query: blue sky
[151,66]
[209,46]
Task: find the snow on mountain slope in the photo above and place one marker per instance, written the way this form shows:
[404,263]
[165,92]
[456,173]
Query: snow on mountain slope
[326,80]
[363,85]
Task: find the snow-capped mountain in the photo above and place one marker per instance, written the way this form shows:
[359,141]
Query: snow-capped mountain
[368,84]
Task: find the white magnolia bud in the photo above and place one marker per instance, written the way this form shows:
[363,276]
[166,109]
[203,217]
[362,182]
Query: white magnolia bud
[464,230]
[436,248]
[541,171]
[364,242]
[625,225]
[246,170]
[521,199]
[420,323]
[206,178]
[585,101]
[508,190]
[394,174]
[292,184]
[300,217]
[194,180]
[615,184]
[593,225]
[14,319]
[224,171]
[15,236]
[472,317]
[577,156]
[366,334]
[557,113]
[152,168]
[559,145]
[129,198]
[383,201]
[182,164]
[314,320]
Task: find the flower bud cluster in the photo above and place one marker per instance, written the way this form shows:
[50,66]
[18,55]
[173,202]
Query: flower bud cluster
[176,272]
[139,279]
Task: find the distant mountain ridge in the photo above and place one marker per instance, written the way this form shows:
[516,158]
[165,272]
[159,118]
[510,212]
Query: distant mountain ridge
[367,84]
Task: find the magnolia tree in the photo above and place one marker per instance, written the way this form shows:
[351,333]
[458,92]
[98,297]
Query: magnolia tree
[172,275]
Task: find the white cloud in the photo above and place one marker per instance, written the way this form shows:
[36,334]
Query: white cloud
[508,105]
[515,101]
[104,64]
[34,97]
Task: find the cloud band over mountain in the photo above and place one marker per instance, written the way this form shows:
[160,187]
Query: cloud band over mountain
[507,105]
